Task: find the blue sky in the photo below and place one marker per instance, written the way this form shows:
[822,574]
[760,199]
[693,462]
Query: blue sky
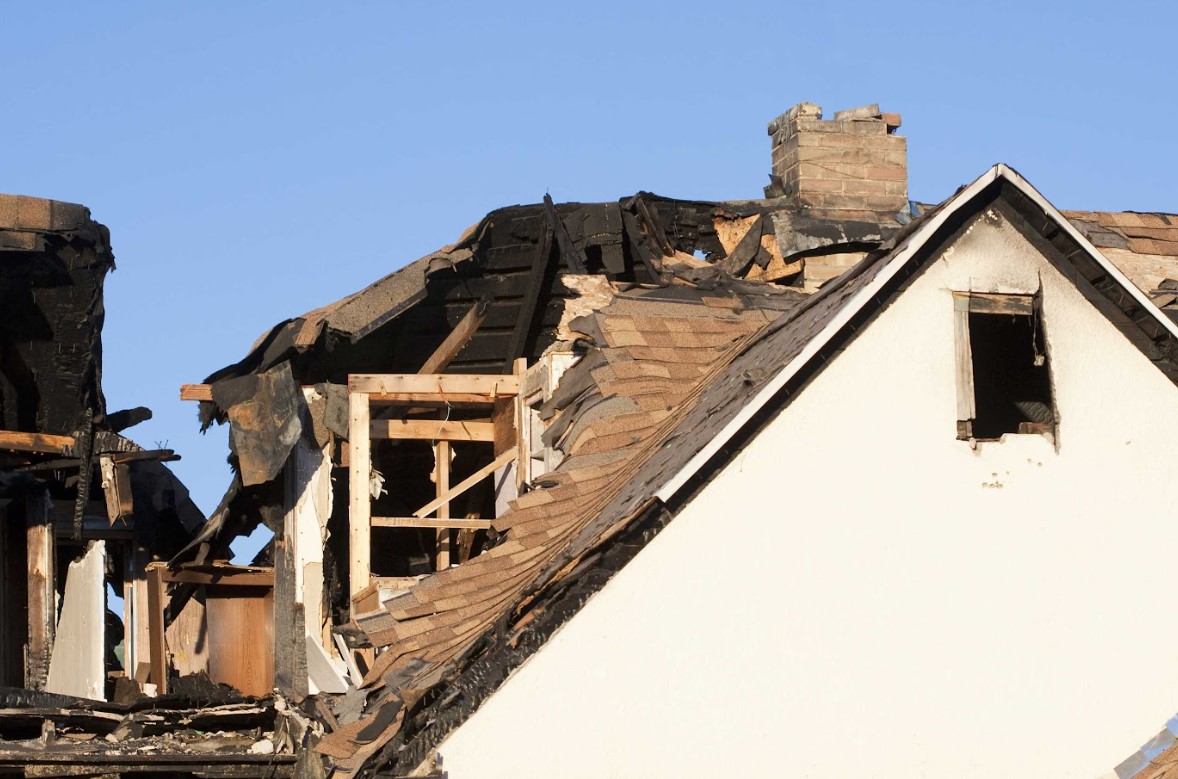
[256,160]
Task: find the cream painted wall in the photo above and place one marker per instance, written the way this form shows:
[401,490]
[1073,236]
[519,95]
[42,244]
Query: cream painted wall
[860,594]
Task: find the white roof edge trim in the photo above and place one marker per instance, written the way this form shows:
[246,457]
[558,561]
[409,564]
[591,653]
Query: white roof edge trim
[915,242]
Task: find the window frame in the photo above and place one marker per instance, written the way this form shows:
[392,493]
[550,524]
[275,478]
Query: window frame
[995,303]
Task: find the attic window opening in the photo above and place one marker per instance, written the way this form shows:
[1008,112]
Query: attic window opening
[1004,378]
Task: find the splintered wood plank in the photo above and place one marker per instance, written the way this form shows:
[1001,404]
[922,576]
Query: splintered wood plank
[449,523]
[205,391]
[196,392]
[438,385]
[433,430]
[359,499]
[42,443]
[458,338]
[464,485]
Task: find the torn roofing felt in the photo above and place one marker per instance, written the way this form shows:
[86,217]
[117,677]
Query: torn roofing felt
[670,391]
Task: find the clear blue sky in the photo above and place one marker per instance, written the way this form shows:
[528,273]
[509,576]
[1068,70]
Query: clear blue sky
[256,160]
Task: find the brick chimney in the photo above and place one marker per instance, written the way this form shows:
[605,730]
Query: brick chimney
[853,161]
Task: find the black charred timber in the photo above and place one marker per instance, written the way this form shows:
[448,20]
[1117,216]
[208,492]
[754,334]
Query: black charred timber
[54,261]
[83,443]
[525,323]
[121,420]
[573,257]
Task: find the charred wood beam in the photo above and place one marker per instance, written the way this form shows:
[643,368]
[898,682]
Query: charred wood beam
[573,257]
[647,237]
[121,420]
[525,324]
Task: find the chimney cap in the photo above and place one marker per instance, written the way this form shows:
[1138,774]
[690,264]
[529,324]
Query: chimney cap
[801,109]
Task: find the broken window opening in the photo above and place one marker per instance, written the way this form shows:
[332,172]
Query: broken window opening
[1004,379]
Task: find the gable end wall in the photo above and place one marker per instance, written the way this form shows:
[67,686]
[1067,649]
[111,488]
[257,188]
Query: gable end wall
[860,593]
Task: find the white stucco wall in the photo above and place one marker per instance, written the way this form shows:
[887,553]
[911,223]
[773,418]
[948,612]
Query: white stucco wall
[860,594]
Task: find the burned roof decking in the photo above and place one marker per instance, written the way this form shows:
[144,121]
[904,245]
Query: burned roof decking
[626,241]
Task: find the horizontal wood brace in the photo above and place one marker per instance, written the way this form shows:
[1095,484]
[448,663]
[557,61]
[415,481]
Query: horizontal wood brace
[42,443]
[437,385]
[432,430]
[460,524]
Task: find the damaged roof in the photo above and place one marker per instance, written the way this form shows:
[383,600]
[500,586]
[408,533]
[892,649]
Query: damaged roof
[674,382]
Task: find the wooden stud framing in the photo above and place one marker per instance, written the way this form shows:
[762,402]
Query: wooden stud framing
[155,603]
[442,480]
[359,499]
[522,461]
[432,429]
[41,593]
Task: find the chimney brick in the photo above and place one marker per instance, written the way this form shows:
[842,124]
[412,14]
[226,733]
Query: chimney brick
[851,162]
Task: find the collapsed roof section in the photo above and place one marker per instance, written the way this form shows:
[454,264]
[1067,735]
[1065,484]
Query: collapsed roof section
[513,265]
[514,258]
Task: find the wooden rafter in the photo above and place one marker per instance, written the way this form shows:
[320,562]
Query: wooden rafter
[525,322]
[458,338]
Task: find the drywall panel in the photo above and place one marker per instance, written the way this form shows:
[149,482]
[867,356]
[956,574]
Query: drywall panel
[78,663]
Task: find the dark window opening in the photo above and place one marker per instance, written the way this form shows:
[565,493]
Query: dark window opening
[1011,380]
